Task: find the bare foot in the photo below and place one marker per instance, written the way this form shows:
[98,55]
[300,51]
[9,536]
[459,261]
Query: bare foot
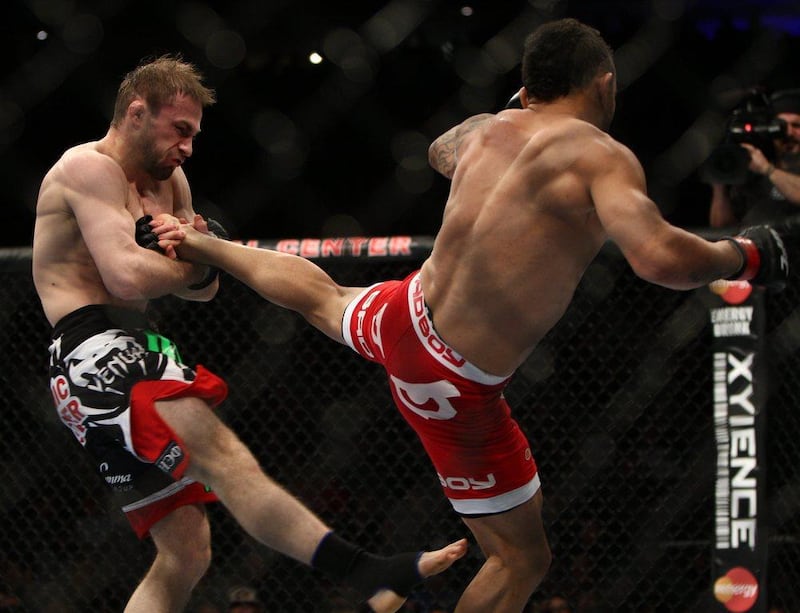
[430,563]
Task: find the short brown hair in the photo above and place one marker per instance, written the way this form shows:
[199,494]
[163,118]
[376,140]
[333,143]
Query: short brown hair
[158,81]
[562,57]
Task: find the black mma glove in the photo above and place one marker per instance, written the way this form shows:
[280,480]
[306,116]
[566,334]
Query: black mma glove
[219,231]
[765,261]
[145,237]
[216,229]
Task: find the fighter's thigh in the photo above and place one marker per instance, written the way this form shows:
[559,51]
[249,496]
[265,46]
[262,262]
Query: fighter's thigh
[519,531]
[211,444]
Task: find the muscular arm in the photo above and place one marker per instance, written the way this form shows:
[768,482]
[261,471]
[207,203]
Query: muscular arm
[286,280]
[442,154]
[95,189]
[657,251]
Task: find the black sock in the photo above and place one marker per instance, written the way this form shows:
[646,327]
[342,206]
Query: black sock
[363,571]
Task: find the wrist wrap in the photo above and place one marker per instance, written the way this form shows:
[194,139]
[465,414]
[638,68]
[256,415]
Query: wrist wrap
[751,258]
[211,276]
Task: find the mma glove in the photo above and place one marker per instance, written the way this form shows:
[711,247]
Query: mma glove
[145,237]
[217,229]
[765,260]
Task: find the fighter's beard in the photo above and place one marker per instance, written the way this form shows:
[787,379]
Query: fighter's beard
[161,173]
[155,169]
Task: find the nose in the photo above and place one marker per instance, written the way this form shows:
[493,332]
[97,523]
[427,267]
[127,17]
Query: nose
[186,147]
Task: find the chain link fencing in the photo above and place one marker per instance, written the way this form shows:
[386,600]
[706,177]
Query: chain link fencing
[616,402]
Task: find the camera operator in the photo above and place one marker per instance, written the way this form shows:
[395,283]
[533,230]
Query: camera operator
[771,189]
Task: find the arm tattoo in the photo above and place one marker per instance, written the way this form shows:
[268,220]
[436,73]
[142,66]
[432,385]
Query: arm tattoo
[445,149]
[446,145]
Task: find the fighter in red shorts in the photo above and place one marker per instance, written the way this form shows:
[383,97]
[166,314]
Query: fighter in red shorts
[536,191]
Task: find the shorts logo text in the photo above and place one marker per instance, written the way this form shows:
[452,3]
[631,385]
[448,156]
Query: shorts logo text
[68,408]
[468,483]
[375,327]
[423,326]
[115,365]
[170,458]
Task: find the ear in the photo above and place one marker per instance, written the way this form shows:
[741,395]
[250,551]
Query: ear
[136,110]
[523,97]
[607,82]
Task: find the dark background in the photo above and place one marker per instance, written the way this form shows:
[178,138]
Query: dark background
[616,399]
[339,148]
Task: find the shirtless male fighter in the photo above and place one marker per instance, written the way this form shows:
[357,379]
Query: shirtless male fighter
[144,416]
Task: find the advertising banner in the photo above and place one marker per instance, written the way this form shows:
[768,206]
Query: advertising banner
[740,548]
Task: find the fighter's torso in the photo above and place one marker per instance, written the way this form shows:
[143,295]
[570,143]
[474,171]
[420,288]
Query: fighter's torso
[64,269]
[519,230]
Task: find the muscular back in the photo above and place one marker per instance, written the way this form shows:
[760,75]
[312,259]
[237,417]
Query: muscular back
[519,230]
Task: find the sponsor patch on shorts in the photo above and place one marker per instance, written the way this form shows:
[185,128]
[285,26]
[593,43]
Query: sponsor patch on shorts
[170,458]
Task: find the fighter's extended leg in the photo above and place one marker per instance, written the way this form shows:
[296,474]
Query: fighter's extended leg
[277,519]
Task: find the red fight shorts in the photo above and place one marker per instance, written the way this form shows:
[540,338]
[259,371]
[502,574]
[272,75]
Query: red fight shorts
[482,458]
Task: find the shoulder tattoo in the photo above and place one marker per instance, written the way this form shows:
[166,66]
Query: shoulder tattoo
[447,144]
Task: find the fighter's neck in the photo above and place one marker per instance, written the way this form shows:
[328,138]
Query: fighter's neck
[115,145]
[577,106]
